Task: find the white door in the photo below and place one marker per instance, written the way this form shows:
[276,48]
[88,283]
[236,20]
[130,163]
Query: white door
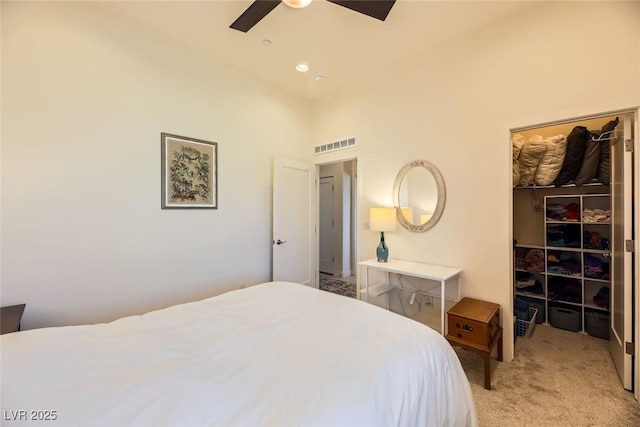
[326,229]
[621,272]
[294,254]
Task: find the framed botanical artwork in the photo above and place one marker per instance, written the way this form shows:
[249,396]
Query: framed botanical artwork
[189,172]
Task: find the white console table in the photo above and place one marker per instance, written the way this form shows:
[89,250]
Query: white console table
[414,269]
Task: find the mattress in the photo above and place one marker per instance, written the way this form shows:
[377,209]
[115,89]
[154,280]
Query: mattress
[274,354]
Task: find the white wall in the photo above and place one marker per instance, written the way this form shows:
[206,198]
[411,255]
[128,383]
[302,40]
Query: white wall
[455,106]
[85,98]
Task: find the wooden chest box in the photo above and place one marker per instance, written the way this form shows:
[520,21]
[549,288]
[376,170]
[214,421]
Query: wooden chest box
[474,321]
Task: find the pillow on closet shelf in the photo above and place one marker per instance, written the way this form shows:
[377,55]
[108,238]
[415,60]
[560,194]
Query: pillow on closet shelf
[576,146]
[604,168]
[532,151]
[551,163]
[517,142]
[590,162]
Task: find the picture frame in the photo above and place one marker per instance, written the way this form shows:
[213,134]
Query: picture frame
[189,172]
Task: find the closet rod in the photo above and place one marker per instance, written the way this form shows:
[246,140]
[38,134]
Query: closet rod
[609,136]
[602,115]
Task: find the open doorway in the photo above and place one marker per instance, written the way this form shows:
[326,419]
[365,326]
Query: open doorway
[337,207]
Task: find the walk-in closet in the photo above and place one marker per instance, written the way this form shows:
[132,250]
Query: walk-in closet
[573,229]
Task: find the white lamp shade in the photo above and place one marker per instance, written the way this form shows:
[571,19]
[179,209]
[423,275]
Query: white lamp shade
[382,219]
[408,214]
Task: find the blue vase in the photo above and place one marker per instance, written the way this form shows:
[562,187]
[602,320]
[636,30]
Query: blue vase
[383,250]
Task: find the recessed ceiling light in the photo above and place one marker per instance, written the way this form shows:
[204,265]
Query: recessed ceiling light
[318,77]
[266,43]
[302,67]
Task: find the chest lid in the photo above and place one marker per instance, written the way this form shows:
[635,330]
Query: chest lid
[470,308]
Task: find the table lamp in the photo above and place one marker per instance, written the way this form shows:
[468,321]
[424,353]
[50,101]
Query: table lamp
[408,214]
[382,219]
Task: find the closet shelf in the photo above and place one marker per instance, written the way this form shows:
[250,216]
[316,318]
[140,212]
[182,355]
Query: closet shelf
[527,246]
[540,187]
[563,248]
[575,277]
[567,276]
[521,270]
[530,294]
[593,279]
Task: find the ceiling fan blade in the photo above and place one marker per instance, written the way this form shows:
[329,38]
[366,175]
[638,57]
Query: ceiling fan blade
[254,13]
[378,9]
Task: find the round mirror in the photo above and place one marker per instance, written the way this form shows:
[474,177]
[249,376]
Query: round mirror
[419,195]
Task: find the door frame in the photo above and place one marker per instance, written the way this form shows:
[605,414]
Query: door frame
[636,255]
[341,157]
[508,320]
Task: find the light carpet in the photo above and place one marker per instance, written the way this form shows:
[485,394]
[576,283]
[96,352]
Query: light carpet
[558,378]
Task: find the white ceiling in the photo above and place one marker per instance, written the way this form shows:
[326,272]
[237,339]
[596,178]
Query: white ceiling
[336,42]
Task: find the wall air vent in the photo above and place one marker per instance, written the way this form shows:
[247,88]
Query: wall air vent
[336,145]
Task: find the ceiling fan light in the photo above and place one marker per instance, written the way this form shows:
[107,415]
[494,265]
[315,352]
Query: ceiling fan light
[302,67]
[297,4]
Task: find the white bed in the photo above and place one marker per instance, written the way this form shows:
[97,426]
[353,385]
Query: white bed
[276,354]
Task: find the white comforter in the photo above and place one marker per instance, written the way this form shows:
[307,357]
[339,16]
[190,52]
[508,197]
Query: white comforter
[276,354]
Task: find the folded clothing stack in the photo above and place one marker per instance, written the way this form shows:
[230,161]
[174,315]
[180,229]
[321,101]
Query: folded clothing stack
[563,235]
[565,263]
[596,215]
[594,240]
[596,267]
[560,212]
[521,309]
[556,212]
[528,283]
[601,299]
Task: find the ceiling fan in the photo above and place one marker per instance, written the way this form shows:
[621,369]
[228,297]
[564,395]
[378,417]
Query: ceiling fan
[378,9]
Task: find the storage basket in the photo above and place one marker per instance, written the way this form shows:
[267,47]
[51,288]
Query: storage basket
[597,324]
[525,327]
[565,318]
[540,308]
